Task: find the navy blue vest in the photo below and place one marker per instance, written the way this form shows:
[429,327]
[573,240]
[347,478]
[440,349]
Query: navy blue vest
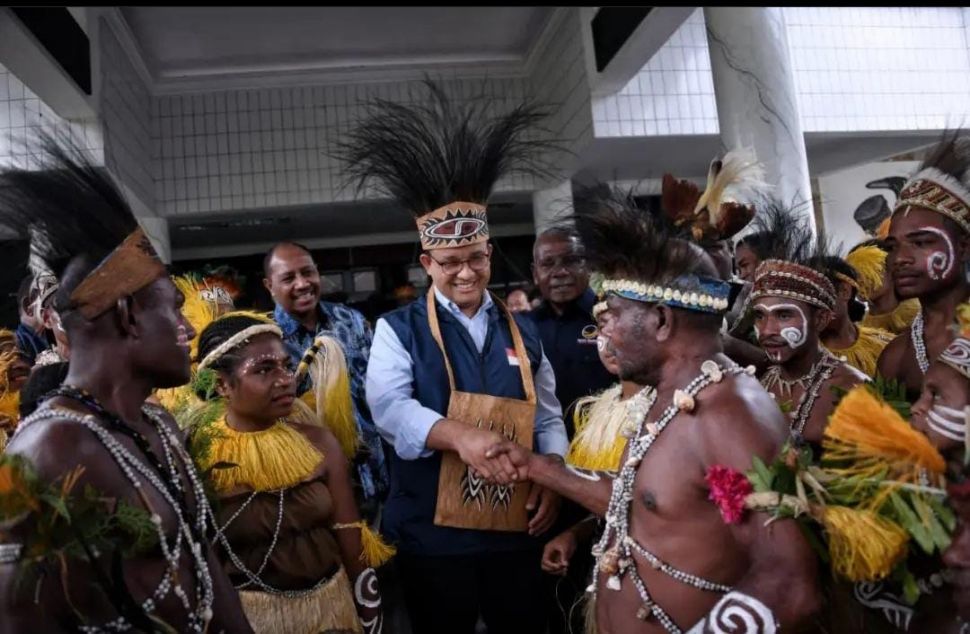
[408,515]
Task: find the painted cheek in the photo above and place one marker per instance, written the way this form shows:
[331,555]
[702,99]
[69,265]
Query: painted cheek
[794,337]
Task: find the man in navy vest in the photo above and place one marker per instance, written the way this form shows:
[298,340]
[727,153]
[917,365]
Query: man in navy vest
[440,161]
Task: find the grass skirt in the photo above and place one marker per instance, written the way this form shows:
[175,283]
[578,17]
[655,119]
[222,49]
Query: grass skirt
[330,609]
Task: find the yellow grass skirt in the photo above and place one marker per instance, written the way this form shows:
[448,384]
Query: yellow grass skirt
[329,609]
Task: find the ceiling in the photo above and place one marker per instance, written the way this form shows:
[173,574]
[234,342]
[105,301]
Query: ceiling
[193,42]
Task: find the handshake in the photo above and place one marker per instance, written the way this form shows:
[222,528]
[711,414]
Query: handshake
[497,459]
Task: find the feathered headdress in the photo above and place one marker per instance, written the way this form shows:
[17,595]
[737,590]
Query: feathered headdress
[726,205]
[639,257]
[71,210]
[9,399]
[942,183]
[869,261]
[790,248]
[441,158]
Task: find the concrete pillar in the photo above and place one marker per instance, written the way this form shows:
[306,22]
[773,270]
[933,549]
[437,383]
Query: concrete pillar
[755,93]
[157,231]
[549,206]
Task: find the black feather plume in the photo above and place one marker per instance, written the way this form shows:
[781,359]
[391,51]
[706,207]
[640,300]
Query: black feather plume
[951,156]
[69,208]
[781,233]
[623,240]
[431,154]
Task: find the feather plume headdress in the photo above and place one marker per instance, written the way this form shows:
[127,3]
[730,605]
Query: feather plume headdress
[942,183]
[790,247]
[441,158]
[73,212]
[725,207]
[869,261]
[640,257]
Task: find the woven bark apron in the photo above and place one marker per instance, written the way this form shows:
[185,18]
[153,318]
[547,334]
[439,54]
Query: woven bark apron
[465,500]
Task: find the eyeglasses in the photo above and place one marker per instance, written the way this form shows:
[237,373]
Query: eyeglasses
[569,262]
[477,262]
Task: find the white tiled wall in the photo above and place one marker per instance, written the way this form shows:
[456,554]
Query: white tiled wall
[880,68]
[22,112]
[862,69]
[672,94]
[243,149]
[126,118]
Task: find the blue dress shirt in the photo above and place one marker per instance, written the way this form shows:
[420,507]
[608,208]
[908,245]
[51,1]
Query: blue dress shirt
[405,423]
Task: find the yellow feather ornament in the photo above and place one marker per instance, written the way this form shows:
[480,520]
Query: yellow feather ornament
[870,263]
[862,545]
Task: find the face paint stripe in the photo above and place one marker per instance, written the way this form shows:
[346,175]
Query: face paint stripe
[946,428]
[793,336]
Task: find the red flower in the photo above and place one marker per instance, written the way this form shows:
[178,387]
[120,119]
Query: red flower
[729,488]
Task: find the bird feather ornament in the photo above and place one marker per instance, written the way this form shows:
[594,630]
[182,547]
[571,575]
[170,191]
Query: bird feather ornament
[725,206]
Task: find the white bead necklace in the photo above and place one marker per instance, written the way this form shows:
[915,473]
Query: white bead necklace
[131,466]
[617,561]
[919,344]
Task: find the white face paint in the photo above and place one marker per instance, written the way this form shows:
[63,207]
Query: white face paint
[794,336]
[938,263]
[948,422]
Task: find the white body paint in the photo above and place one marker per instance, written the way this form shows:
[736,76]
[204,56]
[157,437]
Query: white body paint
[794,336]
[737,609]
[939,264]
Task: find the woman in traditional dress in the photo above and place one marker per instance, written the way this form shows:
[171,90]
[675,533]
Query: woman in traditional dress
[290,534]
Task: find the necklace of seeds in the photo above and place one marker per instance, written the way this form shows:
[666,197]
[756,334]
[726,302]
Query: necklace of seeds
[617,561]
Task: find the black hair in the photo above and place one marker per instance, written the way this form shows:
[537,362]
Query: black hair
[43,379]
[622,239]
[757,243]
[830,265]
[72,210]
[217,333]
[269,254]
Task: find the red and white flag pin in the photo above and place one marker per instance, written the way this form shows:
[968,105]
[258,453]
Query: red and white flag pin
[513,358]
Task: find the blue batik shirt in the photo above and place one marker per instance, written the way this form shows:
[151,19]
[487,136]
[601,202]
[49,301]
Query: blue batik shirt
[349,327]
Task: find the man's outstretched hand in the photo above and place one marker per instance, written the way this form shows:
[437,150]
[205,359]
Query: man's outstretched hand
[514,454]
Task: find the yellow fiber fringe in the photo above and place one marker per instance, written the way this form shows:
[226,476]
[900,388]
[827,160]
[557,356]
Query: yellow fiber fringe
[331,394]
[864,353]
[268,460]
[374,551]
[872,435]
[329,609]
[862,545]
[598,443]
[9,410]
[198,312]
[870,264]
[898,320]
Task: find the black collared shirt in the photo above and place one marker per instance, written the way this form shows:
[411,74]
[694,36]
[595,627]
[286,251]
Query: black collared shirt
[574,358]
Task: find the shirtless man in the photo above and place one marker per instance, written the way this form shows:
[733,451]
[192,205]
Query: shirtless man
[802,373]
[929,246]
[122,314]
[669,560]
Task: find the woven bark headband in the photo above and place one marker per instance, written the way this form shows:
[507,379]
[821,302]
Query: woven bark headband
[934,190]
[456,224]
[132,266]
[775,278]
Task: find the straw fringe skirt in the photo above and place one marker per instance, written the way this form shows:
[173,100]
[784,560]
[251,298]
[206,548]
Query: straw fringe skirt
[330,609]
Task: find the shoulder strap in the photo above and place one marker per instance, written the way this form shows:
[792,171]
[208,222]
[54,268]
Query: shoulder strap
[525,366]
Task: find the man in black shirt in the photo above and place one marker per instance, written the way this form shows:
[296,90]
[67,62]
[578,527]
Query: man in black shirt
[565,318]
